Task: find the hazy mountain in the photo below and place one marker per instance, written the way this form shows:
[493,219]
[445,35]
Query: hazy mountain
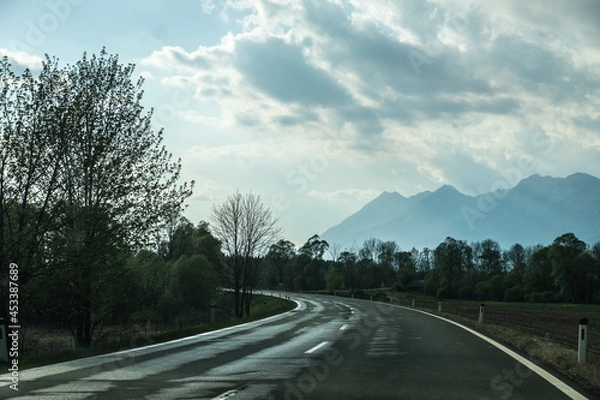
[536,210]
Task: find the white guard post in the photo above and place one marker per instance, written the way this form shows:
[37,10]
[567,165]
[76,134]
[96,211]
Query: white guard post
[481,310]
[582,343]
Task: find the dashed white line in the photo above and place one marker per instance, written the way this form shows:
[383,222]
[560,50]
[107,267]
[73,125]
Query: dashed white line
[343,327]
[317,347]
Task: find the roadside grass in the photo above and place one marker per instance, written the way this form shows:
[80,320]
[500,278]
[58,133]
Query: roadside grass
[261,307]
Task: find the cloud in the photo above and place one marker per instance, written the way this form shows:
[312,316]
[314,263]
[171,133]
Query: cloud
[345,195]
[279,70]
[147,75]
[207,6]
[449,89]
[22,58]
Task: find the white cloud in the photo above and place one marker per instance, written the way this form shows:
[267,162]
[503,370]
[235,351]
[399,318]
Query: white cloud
[490,80]
[147,75]
[207,6]
[355,196]
[22,58]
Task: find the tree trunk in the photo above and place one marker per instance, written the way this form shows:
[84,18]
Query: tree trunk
[84,323]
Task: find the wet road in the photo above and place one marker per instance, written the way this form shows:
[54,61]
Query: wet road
[328,348]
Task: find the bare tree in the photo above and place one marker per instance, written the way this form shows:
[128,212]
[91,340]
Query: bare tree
[246,228]
[334,251]
[596,251]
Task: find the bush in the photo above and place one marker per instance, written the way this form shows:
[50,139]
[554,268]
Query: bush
[443,293]
[467,293]
[516,293]
[548,297]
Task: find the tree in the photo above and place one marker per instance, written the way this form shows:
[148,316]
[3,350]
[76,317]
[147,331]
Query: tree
[537,277]
[370,250]
[385,252]
[84,177]
[347,261]
[246,229]
[489,255]
[313,250]
[596,251]
[566,271]
[279,255]
[194,281]
[451,259]
[405,268]
[424,264]
[314,247]
[30,167]
[516,255]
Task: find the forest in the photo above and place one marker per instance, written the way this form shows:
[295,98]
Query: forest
[566,270]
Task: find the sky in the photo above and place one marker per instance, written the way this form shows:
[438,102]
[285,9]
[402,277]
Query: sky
[318,106]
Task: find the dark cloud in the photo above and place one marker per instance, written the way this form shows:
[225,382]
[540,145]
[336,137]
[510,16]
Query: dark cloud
[280,70]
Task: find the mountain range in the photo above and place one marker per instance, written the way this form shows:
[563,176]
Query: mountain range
[536,211]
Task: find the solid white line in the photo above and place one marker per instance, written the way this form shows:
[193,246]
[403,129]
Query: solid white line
[317,347]
[560,385]
[343,327]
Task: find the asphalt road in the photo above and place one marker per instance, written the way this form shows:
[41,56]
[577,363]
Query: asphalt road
[328,348]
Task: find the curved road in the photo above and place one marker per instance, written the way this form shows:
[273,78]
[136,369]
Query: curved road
[327,348]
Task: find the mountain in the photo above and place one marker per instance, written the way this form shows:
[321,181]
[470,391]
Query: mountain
[536,211]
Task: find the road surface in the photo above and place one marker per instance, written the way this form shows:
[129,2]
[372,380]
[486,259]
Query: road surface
[328,348]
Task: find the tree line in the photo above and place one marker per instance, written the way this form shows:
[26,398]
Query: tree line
[567,270]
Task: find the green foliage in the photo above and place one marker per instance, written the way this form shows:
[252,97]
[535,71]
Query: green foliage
[84,182]
[565,271]
[194,281]
[334,279]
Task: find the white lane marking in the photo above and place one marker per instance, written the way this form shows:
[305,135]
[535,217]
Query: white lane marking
[226,395]
[560,385]
[95,361]
[317,347]
[343,327]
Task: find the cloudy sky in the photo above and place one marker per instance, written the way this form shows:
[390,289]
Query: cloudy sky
[320,105]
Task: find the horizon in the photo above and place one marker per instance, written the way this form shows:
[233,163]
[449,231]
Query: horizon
[469,219]
[319,107]
[480,193]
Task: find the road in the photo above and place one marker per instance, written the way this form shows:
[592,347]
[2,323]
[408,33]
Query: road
[328,348]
